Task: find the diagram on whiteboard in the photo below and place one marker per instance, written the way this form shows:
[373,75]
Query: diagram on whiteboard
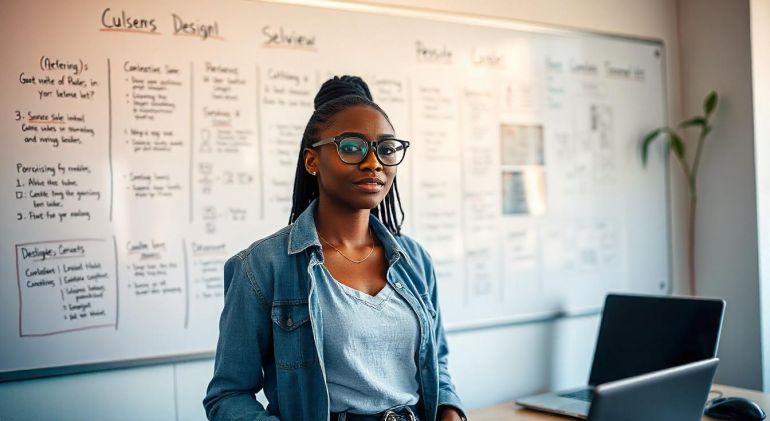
[523,162]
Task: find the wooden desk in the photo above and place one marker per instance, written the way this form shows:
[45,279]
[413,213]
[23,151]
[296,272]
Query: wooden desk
[511,411]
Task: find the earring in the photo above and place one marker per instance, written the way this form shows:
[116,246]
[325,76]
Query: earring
[313,173]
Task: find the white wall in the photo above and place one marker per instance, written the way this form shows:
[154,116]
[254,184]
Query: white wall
[715,54]
[760,56]
[489,366]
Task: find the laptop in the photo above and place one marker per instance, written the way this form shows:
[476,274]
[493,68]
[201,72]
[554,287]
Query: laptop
[641,334]
[676,394]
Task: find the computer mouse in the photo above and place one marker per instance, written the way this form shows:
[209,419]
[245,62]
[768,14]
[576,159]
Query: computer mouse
[735,409]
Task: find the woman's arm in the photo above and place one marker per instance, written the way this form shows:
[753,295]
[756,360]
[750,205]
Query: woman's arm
[244,338]
[447,396]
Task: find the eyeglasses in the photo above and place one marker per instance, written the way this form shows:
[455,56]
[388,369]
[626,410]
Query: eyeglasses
[353,150]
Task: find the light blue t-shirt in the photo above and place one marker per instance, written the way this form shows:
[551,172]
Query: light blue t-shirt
[370,348]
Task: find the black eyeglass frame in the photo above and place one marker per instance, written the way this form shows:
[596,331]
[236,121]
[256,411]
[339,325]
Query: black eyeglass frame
[372,147]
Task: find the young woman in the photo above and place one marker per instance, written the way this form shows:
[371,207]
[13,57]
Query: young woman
[336,316]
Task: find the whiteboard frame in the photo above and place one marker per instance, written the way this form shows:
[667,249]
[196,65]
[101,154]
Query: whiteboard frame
[454,328]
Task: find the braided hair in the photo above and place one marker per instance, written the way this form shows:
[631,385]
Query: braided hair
[335,95]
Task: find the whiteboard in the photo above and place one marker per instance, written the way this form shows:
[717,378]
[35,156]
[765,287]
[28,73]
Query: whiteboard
[146,143]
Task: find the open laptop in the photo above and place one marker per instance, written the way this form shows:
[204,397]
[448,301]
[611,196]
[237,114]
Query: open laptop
[678,393]
[640,334]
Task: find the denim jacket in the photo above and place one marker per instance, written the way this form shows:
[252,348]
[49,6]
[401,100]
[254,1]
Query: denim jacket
[271,333]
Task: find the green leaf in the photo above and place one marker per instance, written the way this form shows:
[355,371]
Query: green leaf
[710,104]
[695,121]
[646,144]
[677,145]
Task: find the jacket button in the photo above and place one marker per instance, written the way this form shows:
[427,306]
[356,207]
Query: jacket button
[289,322]
[398,284]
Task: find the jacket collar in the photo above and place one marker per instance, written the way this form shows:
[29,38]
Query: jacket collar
[303,234]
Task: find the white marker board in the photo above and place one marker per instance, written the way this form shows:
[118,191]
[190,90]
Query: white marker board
[147,142]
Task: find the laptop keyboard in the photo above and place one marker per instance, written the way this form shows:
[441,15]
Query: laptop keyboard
[585,395]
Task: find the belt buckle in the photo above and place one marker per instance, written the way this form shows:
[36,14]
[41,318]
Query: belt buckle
[391,415]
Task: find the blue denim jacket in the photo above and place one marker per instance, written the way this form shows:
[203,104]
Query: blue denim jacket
[270,332]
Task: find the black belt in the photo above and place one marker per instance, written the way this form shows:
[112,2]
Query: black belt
[396,413]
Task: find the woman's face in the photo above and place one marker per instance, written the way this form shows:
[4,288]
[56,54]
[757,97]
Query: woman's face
[346,184]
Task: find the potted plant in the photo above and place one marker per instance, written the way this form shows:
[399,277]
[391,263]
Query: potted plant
[678,147]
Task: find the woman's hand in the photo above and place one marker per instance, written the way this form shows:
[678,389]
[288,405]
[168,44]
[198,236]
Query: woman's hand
[450,414]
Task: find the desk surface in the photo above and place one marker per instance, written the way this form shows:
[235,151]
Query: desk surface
[511,411]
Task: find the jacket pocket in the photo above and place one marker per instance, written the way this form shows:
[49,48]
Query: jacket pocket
[293,336]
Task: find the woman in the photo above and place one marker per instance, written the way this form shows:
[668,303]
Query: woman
[336,315]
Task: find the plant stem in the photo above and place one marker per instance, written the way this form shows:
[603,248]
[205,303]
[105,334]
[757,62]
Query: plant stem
[688,174]
[693,206]
[691,225]
[691,241]
[696,161]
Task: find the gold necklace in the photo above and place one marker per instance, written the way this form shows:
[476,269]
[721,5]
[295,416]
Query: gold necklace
[343,254]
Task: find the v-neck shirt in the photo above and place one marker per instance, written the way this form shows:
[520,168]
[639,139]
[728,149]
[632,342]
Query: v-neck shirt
[370,347]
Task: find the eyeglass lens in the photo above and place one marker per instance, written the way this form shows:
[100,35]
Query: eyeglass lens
[353,150]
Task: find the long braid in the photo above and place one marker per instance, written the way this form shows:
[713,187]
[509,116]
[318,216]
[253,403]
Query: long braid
[302,189]
[385,216]
[392,210]
[395,189]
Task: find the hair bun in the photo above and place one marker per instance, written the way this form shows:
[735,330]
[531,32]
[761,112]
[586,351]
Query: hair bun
[341,86]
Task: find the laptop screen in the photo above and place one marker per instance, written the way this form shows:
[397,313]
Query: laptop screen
[641,334]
